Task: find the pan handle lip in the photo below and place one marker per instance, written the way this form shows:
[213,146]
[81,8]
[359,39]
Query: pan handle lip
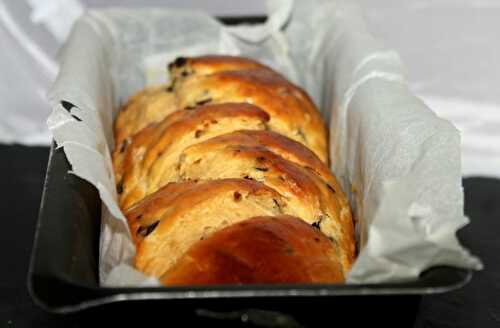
[92,296]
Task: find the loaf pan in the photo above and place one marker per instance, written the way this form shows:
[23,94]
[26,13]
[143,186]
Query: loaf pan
[63,274]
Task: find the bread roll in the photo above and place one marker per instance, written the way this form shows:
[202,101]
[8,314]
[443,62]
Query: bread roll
[222,79]
[289,149]
[165,224]
[307,195]
[292,112]
[276,249]
[149,162]
[153,104]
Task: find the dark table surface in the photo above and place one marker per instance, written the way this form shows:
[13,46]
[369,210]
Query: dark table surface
[22,171]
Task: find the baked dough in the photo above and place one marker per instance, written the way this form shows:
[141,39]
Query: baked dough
[275,249]
[280,145]
[223,177]
[147,106]
[153,104]
[149,162]
[222,79]
[292,112]
[307,195]
[165,224]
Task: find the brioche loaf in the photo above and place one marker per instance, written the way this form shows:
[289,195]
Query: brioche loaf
[276,249]
[223,177]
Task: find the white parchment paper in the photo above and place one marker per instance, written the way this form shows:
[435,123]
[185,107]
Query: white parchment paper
[397,161]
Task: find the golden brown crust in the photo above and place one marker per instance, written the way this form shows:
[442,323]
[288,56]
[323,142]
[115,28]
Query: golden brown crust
[307,195]
[149,105]
[281,249]
[153,104]
[209,64]
[263,141]
[165,224]
[292,113]
[148,162]
[279,144]
[220,79]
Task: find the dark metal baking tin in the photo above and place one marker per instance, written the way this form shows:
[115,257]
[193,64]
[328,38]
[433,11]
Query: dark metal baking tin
[63,275]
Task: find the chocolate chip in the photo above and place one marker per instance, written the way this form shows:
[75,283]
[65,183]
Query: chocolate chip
[247,177]
[330,187]
[237,196]
[119,188]
[203,101]
[277,204]
[198,133]
[76,118]
[178,62]
[320,218]
[301,133]
[185,73]
[170,88]
[124,146]
[145,231]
